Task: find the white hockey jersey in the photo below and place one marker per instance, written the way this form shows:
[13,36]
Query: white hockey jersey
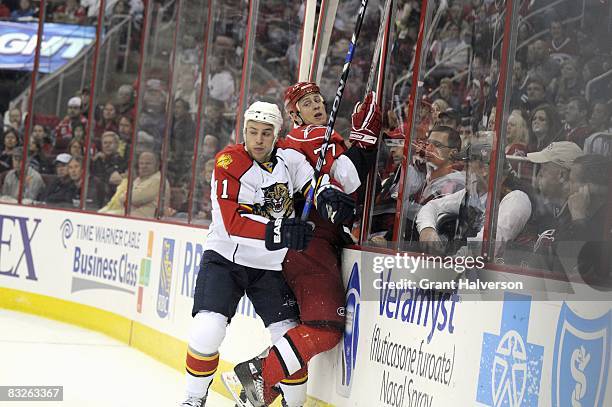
[245,196]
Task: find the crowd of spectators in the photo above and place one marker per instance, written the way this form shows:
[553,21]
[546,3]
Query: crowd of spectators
[558,129]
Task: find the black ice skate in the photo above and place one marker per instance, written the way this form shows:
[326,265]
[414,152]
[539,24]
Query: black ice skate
[249,375]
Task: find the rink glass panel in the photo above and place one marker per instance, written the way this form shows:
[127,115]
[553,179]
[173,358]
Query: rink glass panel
[566,101]
[58,80]
[114,105]
[181,152]
[221,74]
[154,109]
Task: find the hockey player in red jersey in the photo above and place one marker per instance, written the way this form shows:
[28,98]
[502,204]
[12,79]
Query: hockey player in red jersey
[253,225]
[314,274]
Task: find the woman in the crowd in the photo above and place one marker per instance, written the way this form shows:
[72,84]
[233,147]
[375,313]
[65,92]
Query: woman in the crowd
[545,126]
[75,148]
[37,157]
[10,140]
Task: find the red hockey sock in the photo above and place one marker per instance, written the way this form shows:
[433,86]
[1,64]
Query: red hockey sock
[293,351]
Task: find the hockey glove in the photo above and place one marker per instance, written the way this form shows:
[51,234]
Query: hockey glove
[366,123]
[334,205]
[290,233]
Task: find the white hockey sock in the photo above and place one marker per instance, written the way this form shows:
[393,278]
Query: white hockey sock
[207,333]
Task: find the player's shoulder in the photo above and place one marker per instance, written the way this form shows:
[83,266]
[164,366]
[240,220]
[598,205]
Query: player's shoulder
[307,133]
[233,159]
[311,134]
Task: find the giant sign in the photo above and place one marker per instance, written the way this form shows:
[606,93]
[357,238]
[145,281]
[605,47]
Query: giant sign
[60,43]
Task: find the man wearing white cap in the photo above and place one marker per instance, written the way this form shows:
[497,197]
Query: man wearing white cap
[552,210]
[552,180]
[63,131]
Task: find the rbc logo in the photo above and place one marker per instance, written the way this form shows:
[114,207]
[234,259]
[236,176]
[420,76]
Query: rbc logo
[510,366]
[165,278]
[351,332]
[581,360]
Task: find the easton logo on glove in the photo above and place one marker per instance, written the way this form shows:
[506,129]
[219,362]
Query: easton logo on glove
[366,123]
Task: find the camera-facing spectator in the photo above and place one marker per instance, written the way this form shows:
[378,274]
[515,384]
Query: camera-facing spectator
[25,10]
[145,190]
[108,122]
[10,140]
[600,117]
[569,84]
[576,127]
[126,101]
[76,148]
[66,191]
[40,134]
[15,119]
[61,164]
[544,126]
[5,12]
[107,168]
[37,157]
[64,130]
[552,182]
[536,94]
[70,12]
[32,185]
[560,43]
[124,131]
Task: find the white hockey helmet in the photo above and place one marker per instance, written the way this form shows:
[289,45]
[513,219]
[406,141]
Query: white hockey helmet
[264,112]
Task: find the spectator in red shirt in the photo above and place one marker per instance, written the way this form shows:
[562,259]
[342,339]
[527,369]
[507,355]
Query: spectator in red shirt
[576,127]
[64,130]
[5,12]
[108,122]
[70,12]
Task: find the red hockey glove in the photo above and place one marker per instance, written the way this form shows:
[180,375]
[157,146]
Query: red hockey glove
[366,123]
[290,233]
[334,205]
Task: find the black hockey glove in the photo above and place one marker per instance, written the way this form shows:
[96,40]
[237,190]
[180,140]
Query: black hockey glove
[334,205]
[290,233]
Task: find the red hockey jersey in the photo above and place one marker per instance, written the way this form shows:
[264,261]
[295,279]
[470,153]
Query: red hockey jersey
[246,195]
[308,140]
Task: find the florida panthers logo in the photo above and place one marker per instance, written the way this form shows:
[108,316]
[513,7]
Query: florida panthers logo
[277,202]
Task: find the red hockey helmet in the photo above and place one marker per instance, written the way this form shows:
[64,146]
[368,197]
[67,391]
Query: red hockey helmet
[295,92]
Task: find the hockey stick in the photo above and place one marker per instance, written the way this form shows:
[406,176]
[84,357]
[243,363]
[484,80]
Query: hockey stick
[316,177]
[377,47]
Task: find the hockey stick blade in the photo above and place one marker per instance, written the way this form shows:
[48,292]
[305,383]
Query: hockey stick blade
[317,176]
[233,386]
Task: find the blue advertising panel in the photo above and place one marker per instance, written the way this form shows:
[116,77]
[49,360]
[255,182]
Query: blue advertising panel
[61,43]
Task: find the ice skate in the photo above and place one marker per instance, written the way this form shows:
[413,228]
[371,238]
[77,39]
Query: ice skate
[194,401]
[249,375]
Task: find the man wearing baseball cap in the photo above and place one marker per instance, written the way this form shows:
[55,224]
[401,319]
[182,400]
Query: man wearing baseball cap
[33,182]
[552,180]
[63,131]
[552,212]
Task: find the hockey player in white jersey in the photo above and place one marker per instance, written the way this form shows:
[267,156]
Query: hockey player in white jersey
[253,226]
